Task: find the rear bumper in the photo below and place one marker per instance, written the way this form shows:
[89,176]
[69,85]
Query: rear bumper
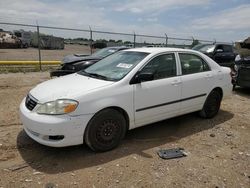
[243,77]
[243,83]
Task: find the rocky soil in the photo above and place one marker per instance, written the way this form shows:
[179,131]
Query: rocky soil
[218,149]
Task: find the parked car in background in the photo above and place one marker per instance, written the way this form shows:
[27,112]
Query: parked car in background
[123,91]
[241,69]
[223,54]
[76,62]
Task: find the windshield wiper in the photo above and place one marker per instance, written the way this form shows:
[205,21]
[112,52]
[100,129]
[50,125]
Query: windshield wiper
[97,76]
[94,75]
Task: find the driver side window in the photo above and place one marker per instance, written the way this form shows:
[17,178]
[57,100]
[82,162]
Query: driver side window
[162,66]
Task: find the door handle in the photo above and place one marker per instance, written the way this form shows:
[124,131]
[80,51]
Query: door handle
[176,82]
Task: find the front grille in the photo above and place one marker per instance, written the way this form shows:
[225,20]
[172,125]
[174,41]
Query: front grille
[30,102]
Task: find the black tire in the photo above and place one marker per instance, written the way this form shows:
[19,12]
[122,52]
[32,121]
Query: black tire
[105,130]
[212,105]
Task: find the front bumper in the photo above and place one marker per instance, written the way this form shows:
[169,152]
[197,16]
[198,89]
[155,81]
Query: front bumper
[54,130]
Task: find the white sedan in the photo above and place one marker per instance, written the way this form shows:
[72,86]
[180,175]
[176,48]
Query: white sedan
[126,90]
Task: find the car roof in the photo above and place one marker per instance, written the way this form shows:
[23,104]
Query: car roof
[159,50]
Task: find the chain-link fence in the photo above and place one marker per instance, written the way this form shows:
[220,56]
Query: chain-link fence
[42,45]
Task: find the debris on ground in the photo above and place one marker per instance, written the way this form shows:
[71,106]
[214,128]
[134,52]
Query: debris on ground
[99,168]
[18,167]
[50,185]
[28,180]
[37,173]
[172,153]
[212,135]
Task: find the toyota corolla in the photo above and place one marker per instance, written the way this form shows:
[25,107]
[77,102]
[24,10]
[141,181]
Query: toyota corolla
[124,91]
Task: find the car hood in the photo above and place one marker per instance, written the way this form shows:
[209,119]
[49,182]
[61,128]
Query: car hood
[66,87]
[77,58]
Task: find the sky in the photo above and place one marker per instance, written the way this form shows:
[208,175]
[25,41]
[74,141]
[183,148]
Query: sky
[223,20]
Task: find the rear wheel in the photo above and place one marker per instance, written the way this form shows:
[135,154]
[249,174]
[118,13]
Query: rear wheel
[212,105]
[105,130]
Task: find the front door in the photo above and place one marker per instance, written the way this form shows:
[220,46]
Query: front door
[158,99]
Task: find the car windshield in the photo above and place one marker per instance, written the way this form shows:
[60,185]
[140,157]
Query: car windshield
[207,48]
[115,66]
[104,52]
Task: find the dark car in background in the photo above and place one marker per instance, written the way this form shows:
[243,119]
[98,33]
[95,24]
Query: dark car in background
[76,62]
[241,70]
[223,54]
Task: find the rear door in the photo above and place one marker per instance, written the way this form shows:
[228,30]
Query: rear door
[197,81]
[158,99]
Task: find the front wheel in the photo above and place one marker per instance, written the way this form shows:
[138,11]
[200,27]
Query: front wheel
[105,130]
[211,105]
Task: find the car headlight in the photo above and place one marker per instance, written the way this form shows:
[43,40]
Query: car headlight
[58,107]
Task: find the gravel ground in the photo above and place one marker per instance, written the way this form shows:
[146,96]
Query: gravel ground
[218,149]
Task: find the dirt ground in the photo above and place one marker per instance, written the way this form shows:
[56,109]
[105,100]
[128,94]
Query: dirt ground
[218,149]
[32,53]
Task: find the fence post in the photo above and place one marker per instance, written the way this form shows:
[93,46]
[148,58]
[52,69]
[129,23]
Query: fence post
[134,39]
[91,40]
[39,48]
[193,43]
[166,40]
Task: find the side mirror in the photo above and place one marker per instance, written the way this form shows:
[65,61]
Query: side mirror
[219,51]
[142,77]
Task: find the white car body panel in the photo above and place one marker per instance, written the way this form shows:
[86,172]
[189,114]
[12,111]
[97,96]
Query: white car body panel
[193,86]
[64,87]
[166,98]
[150,94]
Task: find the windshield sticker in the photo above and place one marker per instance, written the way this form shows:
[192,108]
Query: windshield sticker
[124,65]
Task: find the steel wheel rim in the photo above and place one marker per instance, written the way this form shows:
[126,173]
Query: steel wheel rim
[107,131]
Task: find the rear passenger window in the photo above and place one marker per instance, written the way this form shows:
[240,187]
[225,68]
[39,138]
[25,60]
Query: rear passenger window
[162,66]
[191,64]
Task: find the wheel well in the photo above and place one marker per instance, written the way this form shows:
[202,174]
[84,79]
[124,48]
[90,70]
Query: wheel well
[122,111]
[219,90]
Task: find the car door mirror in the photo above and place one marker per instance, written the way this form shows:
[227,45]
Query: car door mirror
[142,77]
[145,76]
